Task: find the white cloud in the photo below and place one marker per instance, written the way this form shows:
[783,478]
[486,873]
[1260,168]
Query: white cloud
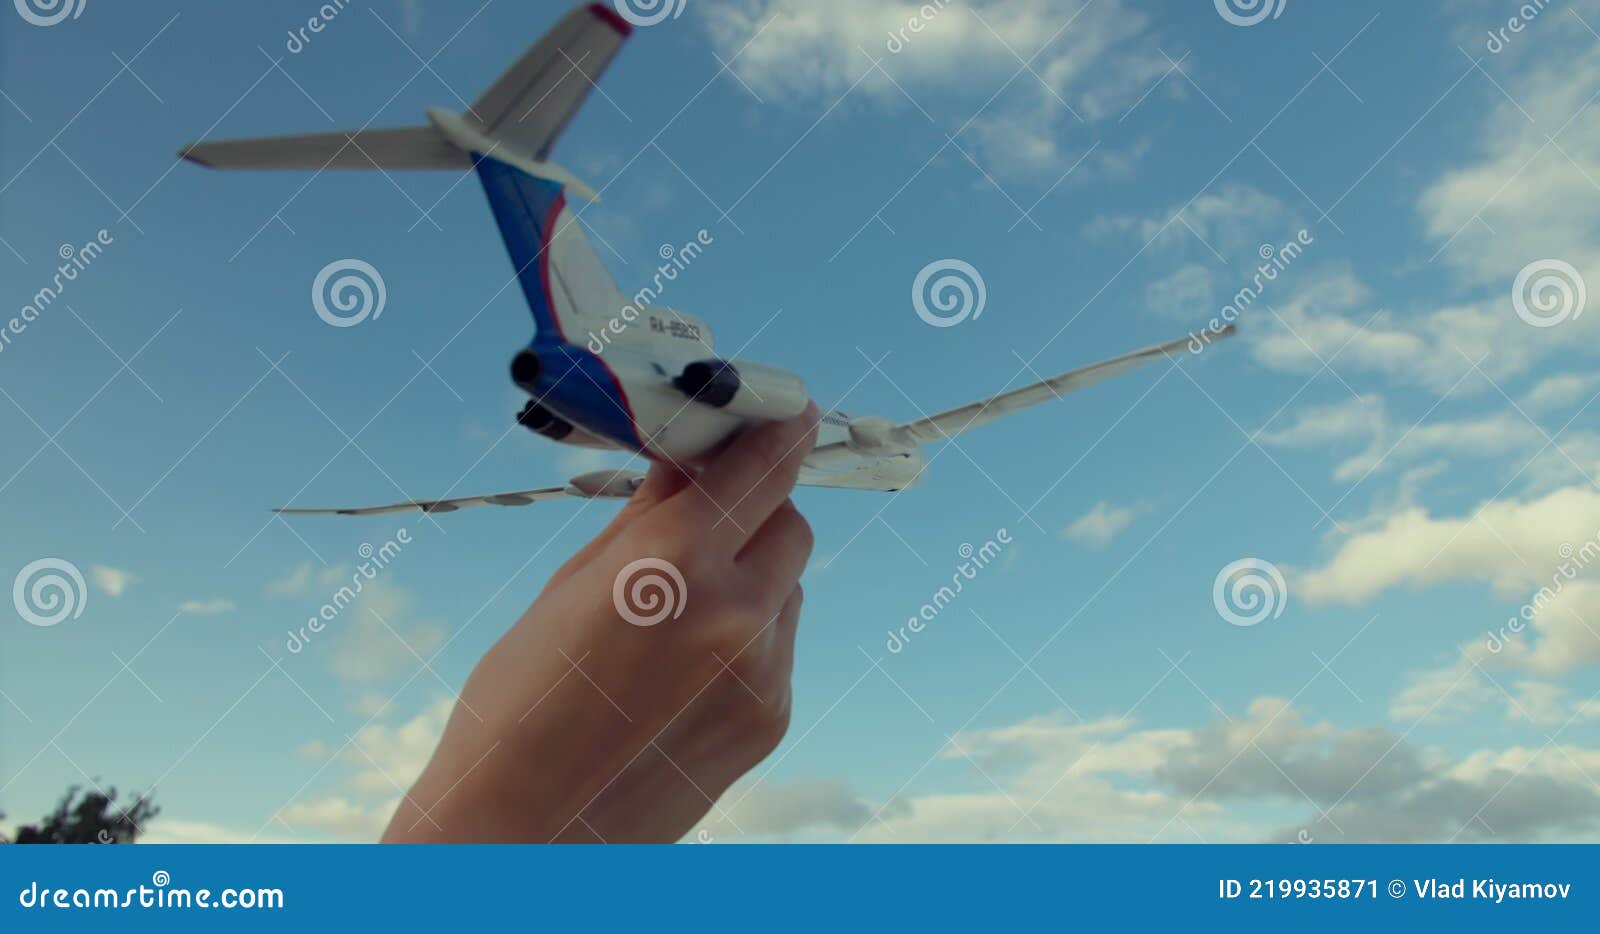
[1520,547]
[1333,316]
[1441,694]
[1054,779]
[296,583]
[206,607]
[375,636]
[575,460]
[382,761]
[1235,220]
[176,830]
[1526,198]
[1463,689]
[307,579]
[1562,391]
[339,817]
[786,810]
[371,704]
[1364,421]
[113,581]
[1099,525]
[388,758]
[1520,199]
[1189,294]
[814,52]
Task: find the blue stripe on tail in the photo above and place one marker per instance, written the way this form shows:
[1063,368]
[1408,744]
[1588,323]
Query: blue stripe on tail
[575,383]
[526,208]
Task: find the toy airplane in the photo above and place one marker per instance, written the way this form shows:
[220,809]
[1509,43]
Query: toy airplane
[656,387]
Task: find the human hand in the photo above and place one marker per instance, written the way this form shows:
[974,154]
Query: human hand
[579,726]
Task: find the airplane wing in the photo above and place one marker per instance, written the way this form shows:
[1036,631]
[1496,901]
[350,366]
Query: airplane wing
[530,104]
[869,438]
[599,484]
[518,498]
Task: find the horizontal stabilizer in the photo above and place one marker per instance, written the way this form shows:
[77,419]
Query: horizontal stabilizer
[418,147]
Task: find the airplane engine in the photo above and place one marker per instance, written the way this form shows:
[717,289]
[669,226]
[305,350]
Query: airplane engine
[525,369]
[746,388]
[874,437]
[605,484]
[540,420]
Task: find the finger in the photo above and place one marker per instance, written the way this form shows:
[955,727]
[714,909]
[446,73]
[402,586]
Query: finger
[777,554]
[662,482]
[788,629]
[749,480]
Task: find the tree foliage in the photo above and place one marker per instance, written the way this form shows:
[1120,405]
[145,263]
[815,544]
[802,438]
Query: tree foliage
[90,817]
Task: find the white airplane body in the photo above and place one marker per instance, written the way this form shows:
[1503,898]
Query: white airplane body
[655,387]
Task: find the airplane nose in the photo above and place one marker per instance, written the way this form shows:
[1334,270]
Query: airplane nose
[525,369]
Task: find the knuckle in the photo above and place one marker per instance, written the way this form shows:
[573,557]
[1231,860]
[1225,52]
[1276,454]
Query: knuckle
[664,543]
[772,722]
[805,536]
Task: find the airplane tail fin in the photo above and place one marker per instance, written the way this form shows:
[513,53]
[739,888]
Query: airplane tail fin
[507,135]
[567,286]
[530,105]
[519,119]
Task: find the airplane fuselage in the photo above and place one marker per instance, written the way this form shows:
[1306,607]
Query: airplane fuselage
[625,398]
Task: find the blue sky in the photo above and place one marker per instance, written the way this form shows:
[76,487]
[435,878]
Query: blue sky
[1389,433]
